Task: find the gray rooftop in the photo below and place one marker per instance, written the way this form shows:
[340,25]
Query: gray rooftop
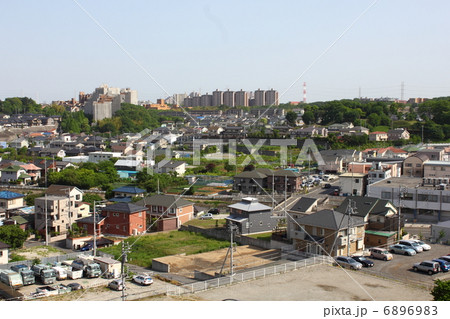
[330,219]
[303,204]
[250,204]
[172,201]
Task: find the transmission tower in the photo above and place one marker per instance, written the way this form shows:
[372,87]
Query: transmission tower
[125,251]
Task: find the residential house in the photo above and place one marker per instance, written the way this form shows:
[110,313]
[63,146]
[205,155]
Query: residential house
[124,219]
[285,180]
[398,134]
[353,183]
[378,136]
[4,253]
[386,152]
[170,211]
[328,232]
[87,224]
[380,215]
[311,131]
[250,216]
[250,182]
[336,161]
[19,143]
[56,211]
[52,152]
[413,165]
[178,167]
[126,193]
[15,174]
[25,222]
[32,170]
[433,154]
[11,200]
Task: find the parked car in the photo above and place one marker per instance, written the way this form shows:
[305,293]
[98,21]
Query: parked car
[411,244]
[402,250]
[116,284]
[364,261]
[380,253]
[446,258]
[75,286]
[428,266]
[214,211]
[348,262]
[143,280]
[443,264]
[335,192]
[424,246]
[206,216]
[327,185]
[87,247]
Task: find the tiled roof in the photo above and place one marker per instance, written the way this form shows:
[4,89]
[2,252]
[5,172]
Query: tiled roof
[10,195]
[124,208]
[165,201]
[129,189]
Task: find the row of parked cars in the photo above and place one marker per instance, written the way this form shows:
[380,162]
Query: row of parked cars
[143,280]
[434,266]
[404,247]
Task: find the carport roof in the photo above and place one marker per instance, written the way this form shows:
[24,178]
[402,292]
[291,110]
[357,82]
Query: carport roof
[381,233]
[236,219]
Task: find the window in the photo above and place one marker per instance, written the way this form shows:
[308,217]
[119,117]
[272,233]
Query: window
[260,223]
[408,165]
[427,198]
[442,168]
[446,199]
[408,196]
[117,226]
[356,180]
[385,195]
[418,165]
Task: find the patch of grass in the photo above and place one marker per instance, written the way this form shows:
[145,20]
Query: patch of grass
[42,250]
[14,257]
[207,223]
[262,236]
[147,247]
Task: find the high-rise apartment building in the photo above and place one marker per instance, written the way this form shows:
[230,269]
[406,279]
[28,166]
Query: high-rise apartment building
[241,98]
[228,98]
[217,98]
[105,101]
[260,97]
[271,97]
[206,100]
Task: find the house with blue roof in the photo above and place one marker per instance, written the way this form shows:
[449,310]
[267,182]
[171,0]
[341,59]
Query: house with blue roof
[124,194]
[11,200]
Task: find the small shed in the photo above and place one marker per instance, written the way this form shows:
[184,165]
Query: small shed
[379,238]
[110,267]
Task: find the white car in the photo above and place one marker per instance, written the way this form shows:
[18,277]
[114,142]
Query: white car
[143,280]
[207,216]
[424,246]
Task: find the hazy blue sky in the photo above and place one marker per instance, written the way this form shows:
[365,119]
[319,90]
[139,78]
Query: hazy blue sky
[52,49]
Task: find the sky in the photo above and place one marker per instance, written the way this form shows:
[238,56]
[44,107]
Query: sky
[51,50]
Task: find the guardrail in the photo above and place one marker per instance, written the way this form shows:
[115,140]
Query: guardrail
[246,276]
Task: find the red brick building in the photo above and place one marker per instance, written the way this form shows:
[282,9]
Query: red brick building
[171,211]
[124,219]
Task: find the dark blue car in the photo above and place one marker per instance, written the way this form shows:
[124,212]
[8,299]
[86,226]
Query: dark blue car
[443,264]
[86,247]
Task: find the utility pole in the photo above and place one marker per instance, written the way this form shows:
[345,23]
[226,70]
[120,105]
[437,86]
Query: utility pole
[125,251]
[349,213]
[401,192]
[95,234]
[46,221]
[232,228]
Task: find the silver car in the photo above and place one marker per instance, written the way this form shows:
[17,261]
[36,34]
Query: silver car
[348,262]
[411,244]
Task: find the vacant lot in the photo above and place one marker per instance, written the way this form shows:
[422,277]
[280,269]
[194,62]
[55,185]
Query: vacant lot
[321,283]
[145,248]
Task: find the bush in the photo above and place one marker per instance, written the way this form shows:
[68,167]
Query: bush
[441,290]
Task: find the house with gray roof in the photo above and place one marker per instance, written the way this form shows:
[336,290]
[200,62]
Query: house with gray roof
[250,182]
[250,216]
[124,219]
[4,254]
[326,232]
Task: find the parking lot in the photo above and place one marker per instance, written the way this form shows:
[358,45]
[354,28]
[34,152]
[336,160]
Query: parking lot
[400,267]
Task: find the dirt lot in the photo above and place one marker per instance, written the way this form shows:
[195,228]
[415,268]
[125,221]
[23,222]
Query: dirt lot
[211,262]
[320,283]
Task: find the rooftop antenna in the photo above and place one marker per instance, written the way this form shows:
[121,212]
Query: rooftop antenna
[402,91]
